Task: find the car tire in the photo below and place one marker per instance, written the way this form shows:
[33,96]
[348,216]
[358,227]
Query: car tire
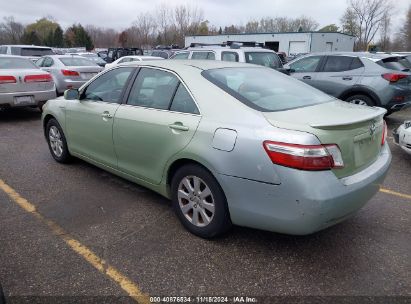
[199,202]
[361,100]
[57,142]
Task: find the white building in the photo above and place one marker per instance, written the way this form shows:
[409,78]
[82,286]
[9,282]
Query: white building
[290,43]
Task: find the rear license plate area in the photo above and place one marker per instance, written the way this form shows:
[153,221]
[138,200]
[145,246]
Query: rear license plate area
[24,100]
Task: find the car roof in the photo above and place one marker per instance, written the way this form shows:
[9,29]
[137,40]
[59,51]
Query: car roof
[375,56]
[27,45]
[65,56]
[187,64]
[13,56]
[229,49]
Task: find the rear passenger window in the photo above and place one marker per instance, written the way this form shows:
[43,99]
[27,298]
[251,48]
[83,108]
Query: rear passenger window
[203,55]
[307,64]
[356,64]
[229,56]
[3,50]
[182,101]
[338,64]
[48,62]
[39,62]
[153,89]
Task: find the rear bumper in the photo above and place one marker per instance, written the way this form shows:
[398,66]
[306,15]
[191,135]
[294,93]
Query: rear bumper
[8,99]
[304,202]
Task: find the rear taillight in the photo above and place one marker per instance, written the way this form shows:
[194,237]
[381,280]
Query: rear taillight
[304,157]
[384,133]
[7,79]
[70,73]
[393,77]
[38,78]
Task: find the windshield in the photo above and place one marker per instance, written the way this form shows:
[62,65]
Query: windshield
[267,59]
[27,51]
[16,63]
[264,89]
[76,61]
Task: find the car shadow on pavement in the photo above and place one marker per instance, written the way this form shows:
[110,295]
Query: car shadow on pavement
[19,114]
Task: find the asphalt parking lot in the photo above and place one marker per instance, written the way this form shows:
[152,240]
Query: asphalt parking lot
[75,230]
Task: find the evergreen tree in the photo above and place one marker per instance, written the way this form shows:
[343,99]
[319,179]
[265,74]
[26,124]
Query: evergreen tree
[58,40]
[31,38]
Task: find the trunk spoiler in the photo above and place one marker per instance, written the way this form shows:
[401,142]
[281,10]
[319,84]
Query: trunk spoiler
[347,121]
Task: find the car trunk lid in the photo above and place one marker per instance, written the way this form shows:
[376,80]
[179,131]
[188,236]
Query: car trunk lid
[26,80]
[357,130]
[85,72]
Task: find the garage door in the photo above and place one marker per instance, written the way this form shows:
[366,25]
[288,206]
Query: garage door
[297,47]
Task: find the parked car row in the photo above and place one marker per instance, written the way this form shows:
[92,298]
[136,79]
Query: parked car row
[235,52]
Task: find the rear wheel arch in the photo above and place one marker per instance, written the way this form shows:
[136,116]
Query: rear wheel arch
[177,164]
[361,91]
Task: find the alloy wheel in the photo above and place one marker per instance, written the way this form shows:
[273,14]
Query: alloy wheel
[359,102]
[56,142]
[196,201]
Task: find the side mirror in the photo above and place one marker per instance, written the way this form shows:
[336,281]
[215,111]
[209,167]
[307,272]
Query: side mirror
[71,94]
[291,70]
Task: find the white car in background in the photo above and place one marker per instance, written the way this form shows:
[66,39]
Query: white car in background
[402,136]
[126,59]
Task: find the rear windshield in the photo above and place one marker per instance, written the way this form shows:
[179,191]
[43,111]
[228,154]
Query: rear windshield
[16,63]
[396,63]
[76,61]
[267,59]
[264,89]
[27,51]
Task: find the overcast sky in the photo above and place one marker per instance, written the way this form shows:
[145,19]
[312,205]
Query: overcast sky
[119,14]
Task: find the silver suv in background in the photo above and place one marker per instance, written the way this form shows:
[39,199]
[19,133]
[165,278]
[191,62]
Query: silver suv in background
[382,80]
[247,52]
[33,52]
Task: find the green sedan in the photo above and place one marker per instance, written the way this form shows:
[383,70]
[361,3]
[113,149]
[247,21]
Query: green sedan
[228,143]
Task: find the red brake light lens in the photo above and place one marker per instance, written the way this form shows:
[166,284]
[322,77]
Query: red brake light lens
[304,157]
[38,78]
[384,133]
[392,77]
[70,73]
[7,79]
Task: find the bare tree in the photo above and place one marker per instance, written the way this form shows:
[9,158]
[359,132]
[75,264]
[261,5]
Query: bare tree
[11,31]
[349,22]
[143,30]
[252,26]
[370,15]
[405,32]
[164,18]
[102,37]
[385,40]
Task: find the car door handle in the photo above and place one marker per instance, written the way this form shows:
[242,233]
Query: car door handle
[106,115]
[306,77]
[178,126]
[347,78]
